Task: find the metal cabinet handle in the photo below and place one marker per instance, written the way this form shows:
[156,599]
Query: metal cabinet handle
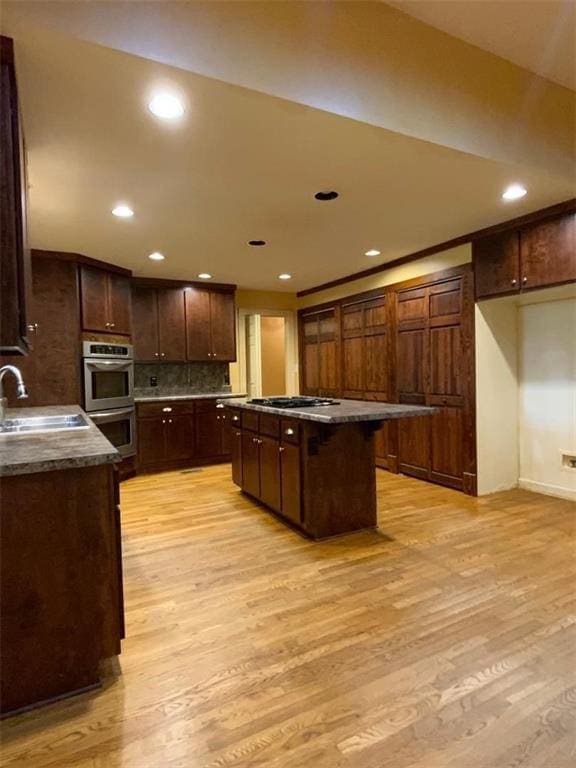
[162,354]
[219,405]
[155,354]
[254,439]
[167,409]
[281,449]
[238,434]
[289,431]
[112,325]
[163,421]
[513,282]
[524,279]
[235,418]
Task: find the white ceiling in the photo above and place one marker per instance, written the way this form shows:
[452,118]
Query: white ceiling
[539,35]
[241,165]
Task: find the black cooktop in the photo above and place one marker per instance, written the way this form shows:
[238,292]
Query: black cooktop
[293,402]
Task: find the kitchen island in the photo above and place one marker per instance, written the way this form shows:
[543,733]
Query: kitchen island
[312,466]
[61,604]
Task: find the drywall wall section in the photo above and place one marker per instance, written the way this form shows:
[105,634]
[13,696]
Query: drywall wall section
[547,396]
[425,266]
[496,395]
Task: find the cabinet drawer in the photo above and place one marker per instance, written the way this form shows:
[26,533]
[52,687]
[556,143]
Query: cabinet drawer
[269,425]
[209,406]
[250,420]
[149,410]
[290,431]
[234,417]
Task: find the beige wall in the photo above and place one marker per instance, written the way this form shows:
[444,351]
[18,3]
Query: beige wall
[547,396]
[443,260]
[273,347]
[496,396]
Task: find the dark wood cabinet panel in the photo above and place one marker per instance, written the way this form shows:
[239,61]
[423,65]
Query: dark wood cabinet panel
[250,464]
[410,365]
[320,339]
[145,314]
[208,434]
[291,503]
[51,370]
[171,325]
[106,301]
[270,472]
[15,280]
[446,361]
[119,304]
[94,290]
[414,449]
[412,306]
[548,252]
[198,337]
[376,365]
[446,447]
[179,432]
[353,364]
[222,321]
[311,380]
[151,442]
[236,449]
[497,264]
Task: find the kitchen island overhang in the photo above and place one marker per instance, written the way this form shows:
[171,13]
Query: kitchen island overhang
[312,466]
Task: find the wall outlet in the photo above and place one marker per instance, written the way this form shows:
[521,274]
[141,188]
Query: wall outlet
[568,459]
[153,381]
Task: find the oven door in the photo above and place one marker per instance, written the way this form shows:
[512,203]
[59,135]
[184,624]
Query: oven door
[108,384]
[119,427]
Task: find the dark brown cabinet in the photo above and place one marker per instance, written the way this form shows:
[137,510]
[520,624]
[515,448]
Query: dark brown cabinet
[535,256]
[365,356]
[106,301]
[51,370]
[159,324]
[14,254]
[250,464]
[210,323]
[172,434]
[320,345]
[290,481]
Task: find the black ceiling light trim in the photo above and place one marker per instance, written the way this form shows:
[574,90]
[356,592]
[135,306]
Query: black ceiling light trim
[326,195]
[256,242]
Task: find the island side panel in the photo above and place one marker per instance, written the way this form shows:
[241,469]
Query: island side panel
[59,596]
[338,478]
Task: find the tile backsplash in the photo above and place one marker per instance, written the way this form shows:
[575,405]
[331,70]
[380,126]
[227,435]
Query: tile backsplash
[180,378]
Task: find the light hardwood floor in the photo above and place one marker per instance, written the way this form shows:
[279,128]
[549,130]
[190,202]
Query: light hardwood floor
[445,640]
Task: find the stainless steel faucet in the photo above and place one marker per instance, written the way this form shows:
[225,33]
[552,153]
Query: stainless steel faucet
[20,388]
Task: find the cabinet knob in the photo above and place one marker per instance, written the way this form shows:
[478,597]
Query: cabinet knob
[513,282]
[167,409]
[281,449]
[235,418]
[289,431]
[254,439]
[112,325]
[155,354]
[163,421]
[107,325]
[238,434]
[162,354]
[524,279]
[169,421]
[219,405]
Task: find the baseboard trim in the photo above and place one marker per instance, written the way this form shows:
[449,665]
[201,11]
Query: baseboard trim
[547,489]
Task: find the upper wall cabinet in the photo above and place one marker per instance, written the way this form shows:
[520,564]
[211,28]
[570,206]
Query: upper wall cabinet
[536,256]
[159,324]
[15,279]
[106,301]
[210,325]
[320,351]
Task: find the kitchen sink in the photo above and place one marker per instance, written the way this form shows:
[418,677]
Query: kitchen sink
[38,424]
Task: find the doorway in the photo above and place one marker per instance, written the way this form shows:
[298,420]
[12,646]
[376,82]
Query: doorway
[267,353]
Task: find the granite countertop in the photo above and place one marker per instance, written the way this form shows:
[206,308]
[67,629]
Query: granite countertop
[346,411]
[149,398]
[24,454]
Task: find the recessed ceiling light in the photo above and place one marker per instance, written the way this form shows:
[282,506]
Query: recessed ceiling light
[326,195]
[372,252]
[205,276]
[123,211]
[166,106]
[257,242]
[285,276]
[514,192]
[156,256]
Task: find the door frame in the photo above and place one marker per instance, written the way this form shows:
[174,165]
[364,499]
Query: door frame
[290,347]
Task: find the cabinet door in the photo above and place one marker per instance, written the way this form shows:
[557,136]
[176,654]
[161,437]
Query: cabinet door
[250,464]
[309,341]
[236,448]
[171,324]
[353,361]
[145,334]
[290,482]
[180,437]
[381,445]
[548,252]
[151,441]
[15,278]
[198,341]
[208,434]
[496,264]
[377,371]
[119,304]
[225,433]
[94,295]
[222,316]
[270,472]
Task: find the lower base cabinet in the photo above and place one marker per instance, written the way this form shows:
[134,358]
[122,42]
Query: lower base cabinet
[320,478]
[173,434]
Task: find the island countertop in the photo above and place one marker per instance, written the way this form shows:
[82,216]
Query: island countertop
[344,412]
[22,454]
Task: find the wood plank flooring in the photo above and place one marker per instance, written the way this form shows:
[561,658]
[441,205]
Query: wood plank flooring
[446,640]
